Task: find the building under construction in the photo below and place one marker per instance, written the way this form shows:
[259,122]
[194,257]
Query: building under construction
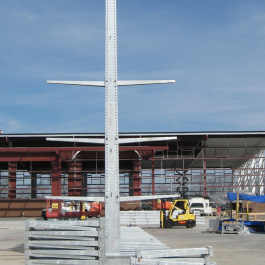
[194,164]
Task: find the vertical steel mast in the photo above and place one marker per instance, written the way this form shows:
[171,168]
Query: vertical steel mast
[112,194]
[111,83]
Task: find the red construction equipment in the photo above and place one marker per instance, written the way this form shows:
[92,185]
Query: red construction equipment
[63,209]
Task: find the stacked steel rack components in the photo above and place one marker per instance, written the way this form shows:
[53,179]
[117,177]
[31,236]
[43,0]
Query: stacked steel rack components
[229,227]
[198,256]
[64,242]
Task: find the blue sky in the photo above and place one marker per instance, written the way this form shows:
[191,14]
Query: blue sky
[215,50]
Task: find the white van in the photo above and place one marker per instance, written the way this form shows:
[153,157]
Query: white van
[201,205]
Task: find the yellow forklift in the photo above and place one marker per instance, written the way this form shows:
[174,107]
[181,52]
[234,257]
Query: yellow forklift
[177,215]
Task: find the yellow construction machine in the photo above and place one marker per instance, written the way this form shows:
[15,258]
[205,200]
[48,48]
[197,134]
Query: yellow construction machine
[177,215]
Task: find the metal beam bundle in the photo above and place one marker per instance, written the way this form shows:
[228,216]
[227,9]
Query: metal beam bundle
[195,256]
[140,218]
[61,242]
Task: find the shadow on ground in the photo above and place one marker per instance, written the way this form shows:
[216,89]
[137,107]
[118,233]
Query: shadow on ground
[18,248]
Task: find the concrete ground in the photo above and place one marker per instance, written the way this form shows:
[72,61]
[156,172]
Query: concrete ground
[12,241]
[232,249]
[228,248]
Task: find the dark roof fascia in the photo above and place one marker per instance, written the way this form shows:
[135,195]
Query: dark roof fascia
[139,134]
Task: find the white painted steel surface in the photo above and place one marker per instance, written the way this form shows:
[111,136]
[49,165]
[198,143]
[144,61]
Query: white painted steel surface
[140,218]
[64,242]
[78,83]
[200,220]
[121,140]
[102,84]
[147,218]
[232,227]
[145,139]
[198,256]
[83,242]
[174,252]
[177,261]
[76,198]
[112,194]
[102,199]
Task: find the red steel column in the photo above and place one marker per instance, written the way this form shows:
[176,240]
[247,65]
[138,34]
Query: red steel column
[71,178]
[75,178]
[137,178]
[56,177]
[12,171]
[78,178]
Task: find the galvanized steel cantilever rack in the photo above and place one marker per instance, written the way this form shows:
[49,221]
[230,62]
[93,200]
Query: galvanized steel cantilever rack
[61,242]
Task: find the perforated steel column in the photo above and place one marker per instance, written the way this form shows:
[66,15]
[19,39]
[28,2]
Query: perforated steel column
[112,195]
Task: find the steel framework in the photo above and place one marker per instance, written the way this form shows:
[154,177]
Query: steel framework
[32,167]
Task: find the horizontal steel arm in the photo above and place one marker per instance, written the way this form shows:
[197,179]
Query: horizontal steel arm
[147,197]
[121,140]
[102,83]
[145,139]
[78,83]
[144,82]
[76,198]
[102,199]
[78,140]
